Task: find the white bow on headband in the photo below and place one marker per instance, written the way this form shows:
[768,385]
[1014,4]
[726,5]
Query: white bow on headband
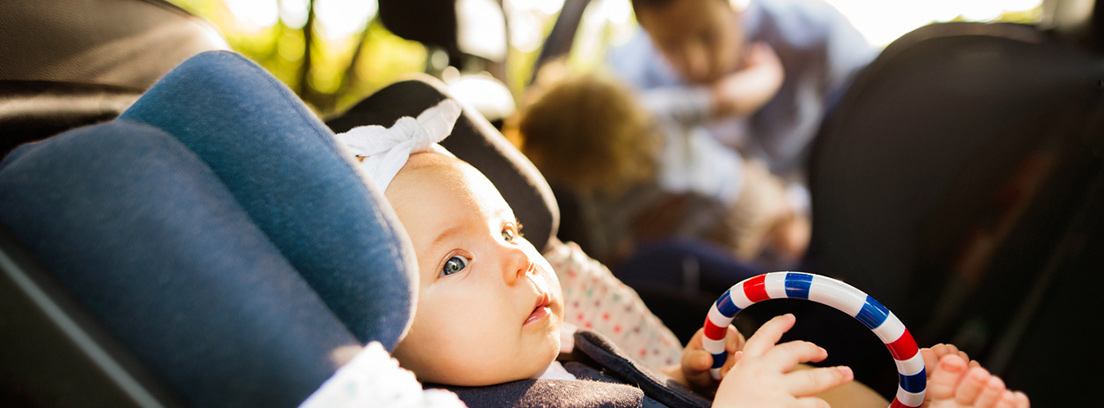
[386,150]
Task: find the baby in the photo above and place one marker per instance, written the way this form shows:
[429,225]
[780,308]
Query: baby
[489,307]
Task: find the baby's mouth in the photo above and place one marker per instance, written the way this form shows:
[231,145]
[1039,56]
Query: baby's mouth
[541,309]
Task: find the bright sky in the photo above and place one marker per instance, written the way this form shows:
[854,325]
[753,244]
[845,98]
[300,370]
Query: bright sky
[338,18]
[882,21]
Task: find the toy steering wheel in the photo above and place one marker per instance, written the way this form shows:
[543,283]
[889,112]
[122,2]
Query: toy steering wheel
[912,380]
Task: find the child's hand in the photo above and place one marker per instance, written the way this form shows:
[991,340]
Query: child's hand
[764,376]
[694,370]
[745,91]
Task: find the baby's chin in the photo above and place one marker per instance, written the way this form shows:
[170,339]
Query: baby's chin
[543,356]
[543,359]
[536,361]
[470,378]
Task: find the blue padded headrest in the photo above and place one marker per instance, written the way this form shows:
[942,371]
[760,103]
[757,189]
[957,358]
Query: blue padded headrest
[144,235]
[283,167]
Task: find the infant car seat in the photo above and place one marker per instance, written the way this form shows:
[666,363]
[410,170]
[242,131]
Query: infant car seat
[212,236]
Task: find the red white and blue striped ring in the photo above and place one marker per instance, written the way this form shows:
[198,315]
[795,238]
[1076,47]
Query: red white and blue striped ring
[912,380]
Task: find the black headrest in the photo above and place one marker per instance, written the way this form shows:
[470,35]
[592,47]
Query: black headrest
[412,20]
[912,162]
[129,43]
[68,63]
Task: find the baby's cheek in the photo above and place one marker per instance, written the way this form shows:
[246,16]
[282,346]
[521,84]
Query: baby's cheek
[465,354]
[549,275]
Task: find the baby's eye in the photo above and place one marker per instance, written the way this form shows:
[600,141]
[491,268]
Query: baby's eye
[511,232]
[455,264]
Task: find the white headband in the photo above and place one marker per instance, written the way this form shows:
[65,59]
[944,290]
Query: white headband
[387,149]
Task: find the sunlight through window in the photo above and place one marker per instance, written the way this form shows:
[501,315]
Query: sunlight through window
[883,21]
[340,18]
[294,13]
[257,13]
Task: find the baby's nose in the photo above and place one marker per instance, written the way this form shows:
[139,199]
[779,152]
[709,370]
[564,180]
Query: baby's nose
[516,265]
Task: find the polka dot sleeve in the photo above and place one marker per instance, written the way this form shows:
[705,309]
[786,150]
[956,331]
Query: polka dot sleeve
[595,299]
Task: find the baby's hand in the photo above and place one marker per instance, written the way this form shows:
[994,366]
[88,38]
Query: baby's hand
[764,376]
[696,362]
[954,383]
[935,353]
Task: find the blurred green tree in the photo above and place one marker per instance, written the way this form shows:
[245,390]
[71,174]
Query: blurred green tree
[331,57]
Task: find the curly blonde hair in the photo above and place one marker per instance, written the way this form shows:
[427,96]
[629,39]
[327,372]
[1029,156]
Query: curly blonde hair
[588,132]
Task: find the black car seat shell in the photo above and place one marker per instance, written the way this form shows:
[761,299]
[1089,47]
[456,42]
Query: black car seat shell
[69,63]
[958,179]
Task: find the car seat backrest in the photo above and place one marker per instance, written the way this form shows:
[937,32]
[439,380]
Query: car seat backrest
[939,99]
[950,177]
[129,43]
[69,63]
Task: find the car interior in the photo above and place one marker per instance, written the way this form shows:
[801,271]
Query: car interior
[171,225]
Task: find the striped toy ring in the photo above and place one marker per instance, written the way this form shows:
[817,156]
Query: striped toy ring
[831,292]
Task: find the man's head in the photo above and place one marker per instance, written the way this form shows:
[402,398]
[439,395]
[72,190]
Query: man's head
[489,306]
[701,39]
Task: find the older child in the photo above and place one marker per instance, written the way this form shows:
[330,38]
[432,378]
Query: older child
[489,308]
[590,135]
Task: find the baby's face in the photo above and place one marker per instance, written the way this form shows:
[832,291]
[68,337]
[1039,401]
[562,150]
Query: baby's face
[489,306]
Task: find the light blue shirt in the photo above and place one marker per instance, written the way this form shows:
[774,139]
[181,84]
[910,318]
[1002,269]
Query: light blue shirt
[694,162]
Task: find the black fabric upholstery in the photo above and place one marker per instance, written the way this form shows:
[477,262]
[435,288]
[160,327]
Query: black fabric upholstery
[126,43]
[35,110]
[70,63]
[614,362]
[934,122]
[553,393]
